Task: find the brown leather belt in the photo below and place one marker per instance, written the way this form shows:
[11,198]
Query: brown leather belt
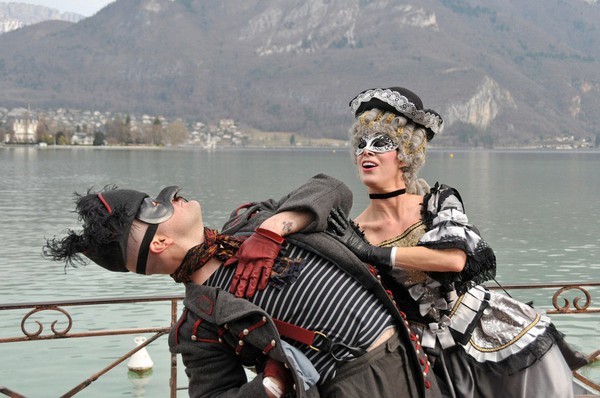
[308,337]
[300,334]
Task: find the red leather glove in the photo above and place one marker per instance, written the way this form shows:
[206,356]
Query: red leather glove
[255,259]
[276,370]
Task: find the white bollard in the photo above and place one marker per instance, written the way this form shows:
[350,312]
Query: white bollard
[140,362]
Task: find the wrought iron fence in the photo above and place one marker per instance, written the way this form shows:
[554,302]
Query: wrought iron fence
[41,332]
[563,303]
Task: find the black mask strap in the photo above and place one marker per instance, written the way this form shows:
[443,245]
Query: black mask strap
[145,248]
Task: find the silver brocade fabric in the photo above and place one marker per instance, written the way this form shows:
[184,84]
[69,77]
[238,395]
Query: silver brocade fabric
[506,327]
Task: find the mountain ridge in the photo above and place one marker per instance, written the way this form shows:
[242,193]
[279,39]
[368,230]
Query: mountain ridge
[15,15]
[506,72]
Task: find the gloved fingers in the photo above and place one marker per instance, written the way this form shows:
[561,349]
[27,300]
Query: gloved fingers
[255,277]
[356,228]
[240,290]
[337,223]
[244,278]
[265,277]
[236,278]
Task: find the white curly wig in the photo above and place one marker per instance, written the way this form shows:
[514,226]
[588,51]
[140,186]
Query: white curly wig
[410,137]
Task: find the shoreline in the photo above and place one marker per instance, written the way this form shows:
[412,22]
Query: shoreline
[333,148]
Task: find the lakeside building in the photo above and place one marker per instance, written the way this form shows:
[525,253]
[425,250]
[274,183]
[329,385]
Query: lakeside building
[23,131]
[82,139]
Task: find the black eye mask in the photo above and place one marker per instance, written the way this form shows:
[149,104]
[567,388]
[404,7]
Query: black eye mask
[154,212]
[159,210]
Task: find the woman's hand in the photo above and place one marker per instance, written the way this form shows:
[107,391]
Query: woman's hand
[346,232]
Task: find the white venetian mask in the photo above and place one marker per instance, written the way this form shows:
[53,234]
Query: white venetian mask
[377,143]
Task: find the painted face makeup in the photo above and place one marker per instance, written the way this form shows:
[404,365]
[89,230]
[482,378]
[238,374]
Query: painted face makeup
[378,143]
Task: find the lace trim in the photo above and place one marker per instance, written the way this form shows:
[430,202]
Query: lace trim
[402,105]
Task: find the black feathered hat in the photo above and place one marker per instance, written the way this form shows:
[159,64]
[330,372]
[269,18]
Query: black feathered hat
[400,101]
[107,218]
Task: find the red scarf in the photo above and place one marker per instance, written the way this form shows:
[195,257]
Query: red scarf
[222,247]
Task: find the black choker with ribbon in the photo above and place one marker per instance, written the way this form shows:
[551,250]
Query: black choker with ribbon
[387,195]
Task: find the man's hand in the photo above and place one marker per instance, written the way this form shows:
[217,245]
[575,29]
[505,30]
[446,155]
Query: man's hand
[276,379]
[255,259]
[346,232]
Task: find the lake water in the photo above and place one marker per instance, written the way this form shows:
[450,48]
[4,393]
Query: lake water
[539,211]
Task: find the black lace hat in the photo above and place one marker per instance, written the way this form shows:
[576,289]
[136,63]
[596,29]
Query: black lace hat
[400,101]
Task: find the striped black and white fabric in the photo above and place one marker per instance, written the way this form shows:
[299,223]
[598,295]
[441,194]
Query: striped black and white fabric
[325,299]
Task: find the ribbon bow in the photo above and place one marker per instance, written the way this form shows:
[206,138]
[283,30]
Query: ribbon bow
[452,215]
[416,291]
[427,307]
[438,331]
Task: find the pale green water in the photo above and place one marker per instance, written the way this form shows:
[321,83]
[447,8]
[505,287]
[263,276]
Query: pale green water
[539,211]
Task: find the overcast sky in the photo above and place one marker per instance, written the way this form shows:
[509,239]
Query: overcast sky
[82,7]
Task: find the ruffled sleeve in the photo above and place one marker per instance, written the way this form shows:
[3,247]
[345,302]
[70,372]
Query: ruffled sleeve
[448,228]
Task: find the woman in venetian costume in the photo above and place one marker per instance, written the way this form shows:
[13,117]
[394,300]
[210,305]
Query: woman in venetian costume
[480,343]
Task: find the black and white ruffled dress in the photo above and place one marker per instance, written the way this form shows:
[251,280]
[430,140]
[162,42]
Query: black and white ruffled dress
[483,344]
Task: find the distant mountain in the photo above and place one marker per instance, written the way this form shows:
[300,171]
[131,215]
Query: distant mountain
[507,72]
[16,15]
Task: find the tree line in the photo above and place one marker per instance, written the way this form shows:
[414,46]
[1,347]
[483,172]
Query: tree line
[117,131]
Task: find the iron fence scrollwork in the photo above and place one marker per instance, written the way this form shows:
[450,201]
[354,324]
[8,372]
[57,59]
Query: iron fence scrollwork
[580,304]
